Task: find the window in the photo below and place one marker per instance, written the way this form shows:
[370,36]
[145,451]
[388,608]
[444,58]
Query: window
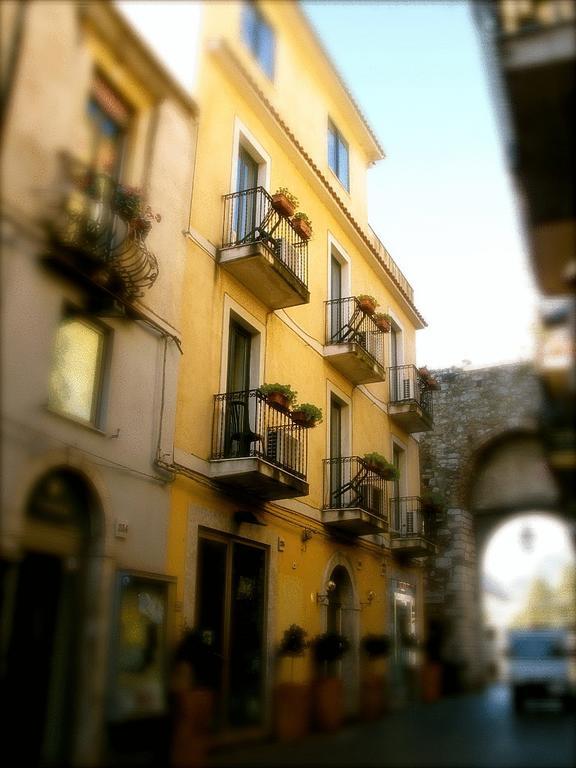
[338,154]
[259,37]
[107,123]
[75,386]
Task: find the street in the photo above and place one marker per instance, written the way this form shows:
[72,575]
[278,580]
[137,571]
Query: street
[469,730]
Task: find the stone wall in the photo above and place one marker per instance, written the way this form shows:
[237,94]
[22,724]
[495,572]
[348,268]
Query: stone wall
[480,416]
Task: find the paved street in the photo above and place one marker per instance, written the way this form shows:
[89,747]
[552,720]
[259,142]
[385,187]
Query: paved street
[467,731]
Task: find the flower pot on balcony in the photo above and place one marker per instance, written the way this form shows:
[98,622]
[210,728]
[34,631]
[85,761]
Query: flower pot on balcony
[302,225]
[306,415]
[382,322]
[367,304]
[278,401]
[278,396]
[282,205]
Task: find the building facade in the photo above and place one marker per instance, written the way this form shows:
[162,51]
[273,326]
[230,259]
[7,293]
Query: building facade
[91,276]
[274,523]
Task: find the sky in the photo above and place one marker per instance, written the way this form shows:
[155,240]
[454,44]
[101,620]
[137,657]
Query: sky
[442,200]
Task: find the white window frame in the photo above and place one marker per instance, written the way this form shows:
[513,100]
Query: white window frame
[244,138]
[234,311]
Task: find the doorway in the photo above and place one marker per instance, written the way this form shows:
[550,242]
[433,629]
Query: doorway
[341,617]
[231,608]
[39,689]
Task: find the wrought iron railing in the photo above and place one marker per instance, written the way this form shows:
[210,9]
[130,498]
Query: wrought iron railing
[249,217]
[245,425]
[346,322]
[102,226]
[407,385]
[350,484]
[409,519]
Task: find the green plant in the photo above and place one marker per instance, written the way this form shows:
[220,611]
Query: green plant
[127,202]
[301,216]
[282,389]
[312,412]
[432,501]
[379,464]
[293,641]
[384,316]
[292,199]
[367,297]
[376,645]
[329,646]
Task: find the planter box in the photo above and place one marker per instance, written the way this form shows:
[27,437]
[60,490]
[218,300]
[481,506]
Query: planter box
[328,703]
[291,711]
[373,697]
[367,306]
[279,401]
[302,228]
[283,206]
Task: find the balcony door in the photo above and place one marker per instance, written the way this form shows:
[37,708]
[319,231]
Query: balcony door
[335,294]
[397,460]
[336,447]
[238,386]
[231,613]
[247,178]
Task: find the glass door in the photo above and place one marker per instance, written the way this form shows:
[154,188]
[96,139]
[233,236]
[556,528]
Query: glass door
[238,382]
[336,478]
[245,213]
[231,609]
[335,294]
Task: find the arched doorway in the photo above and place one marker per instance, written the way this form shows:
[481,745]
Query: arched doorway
[48,599]
[341,616]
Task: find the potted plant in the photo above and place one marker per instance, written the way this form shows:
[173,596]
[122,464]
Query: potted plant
[284,202]
[376,649]
[127,202]
[142,224]
[192,697]
[302,225]
[328,697]
[378,464]
[306,415]
[367,303]
[383,321]
[432,502]
[428,380]
[292,699]
[279,396]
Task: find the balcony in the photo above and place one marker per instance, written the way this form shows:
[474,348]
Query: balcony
[410,528]
[256,447]
[354,343]
[354,497]
[263,251]
[410,399]
[96,233]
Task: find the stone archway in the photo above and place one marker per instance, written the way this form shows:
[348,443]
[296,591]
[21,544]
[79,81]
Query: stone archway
[341,614]
[485,459]
[56,588]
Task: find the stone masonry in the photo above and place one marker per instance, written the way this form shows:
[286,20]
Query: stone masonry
[483,447]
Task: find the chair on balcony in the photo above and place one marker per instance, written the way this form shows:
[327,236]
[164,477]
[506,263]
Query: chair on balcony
[240,436]
[355,487]
[350,331]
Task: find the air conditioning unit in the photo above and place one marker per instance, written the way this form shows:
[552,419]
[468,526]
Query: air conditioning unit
[283,447]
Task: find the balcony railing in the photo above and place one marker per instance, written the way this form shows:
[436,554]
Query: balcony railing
[408,518]
[249,217]
[98,227]
[391,265]
[408,386]
[350,484]
[347,323]
[246,425]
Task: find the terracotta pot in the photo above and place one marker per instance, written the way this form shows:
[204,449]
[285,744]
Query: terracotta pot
[283,206]
[383,325]
[431,679]
[302,228]
[194,710]
[367,306]
[373,697]
[328,703]
[291,711]
[278,400]
[301,419]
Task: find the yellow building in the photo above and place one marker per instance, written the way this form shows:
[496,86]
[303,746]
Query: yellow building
[272,523]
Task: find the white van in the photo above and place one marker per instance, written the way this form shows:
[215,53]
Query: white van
[541,663]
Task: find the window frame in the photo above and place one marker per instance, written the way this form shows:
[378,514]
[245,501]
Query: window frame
[101,376]
[254,29]
[339,143]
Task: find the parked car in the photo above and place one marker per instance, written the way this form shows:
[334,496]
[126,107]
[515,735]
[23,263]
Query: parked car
[542,665]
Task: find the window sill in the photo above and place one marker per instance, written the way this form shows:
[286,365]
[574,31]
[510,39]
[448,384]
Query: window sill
[340,183]
[75,420]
